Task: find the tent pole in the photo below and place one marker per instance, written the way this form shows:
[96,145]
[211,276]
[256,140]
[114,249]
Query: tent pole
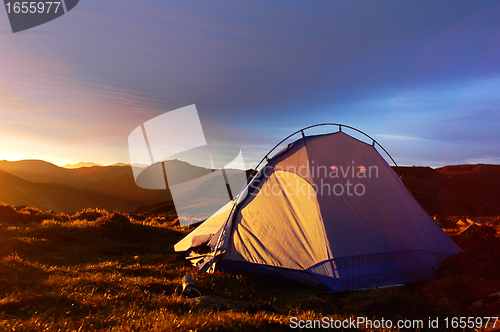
[239,200]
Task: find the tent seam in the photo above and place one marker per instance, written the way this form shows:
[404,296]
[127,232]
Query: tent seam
[322,223]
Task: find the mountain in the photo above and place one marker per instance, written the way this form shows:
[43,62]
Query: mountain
[39,171]
[114,186]
[157,208]
[471,190]
[55,197]
[196,196]
[118,182]
[81,164]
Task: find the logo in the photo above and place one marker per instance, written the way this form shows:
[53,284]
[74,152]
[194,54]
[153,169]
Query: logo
[25,15]
[171,151]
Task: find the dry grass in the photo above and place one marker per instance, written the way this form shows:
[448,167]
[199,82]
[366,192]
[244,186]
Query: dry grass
[90,272]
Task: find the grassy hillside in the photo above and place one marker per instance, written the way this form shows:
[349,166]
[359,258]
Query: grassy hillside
[91,271]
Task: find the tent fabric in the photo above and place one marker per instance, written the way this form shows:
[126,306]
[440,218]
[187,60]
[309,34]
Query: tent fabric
[281,211]
[206,230]
[328,210]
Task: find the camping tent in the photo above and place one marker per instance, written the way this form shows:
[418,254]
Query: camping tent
[326,210]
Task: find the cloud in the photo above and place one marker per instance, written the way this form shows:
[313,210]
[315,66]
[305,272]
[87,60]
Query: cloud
[50,107]
[256,71]
[398,137]
[439,123]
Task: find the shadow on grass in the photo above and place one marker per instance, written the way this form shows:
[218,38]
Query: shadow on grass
[16,274]
[57,305]
[60,244]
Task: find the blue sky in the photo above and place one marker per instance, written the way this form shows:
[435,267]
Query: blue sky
[422,77]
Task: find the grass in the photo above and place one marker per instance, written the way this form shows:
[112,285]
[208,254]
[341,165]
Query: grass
[90,271]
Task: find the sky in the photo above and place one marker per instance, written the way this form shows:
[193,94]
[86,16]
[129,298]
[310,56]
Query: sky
[421,77]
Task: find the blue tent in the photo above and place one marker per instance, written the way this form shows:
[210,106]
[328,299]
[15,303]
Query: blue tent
[327,210]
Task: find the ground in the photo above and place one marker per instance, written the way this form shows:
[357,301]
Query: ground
[93,271]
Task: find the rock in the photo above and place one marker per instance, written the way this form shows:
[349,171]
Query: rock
[478,232]
[480,220]
[464,222]
[488,230]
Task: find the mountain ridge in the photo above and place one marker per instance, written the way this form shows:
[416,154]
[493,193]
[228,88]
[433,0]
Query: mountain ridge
[469,189]
[81,164]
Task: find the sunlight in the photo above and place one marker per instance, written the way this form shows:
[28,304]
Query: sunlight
[31,156]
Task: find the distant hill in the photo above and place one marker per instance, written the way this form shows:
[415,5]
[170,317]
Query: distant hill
[472,190]
[113,186]
[55,197]
[167,207]
[81,164]
[39,171]
[468,190]
[157,208]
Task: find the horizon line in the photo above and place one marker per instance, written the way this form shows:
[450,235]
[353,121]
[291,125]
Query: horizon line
[121,163]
